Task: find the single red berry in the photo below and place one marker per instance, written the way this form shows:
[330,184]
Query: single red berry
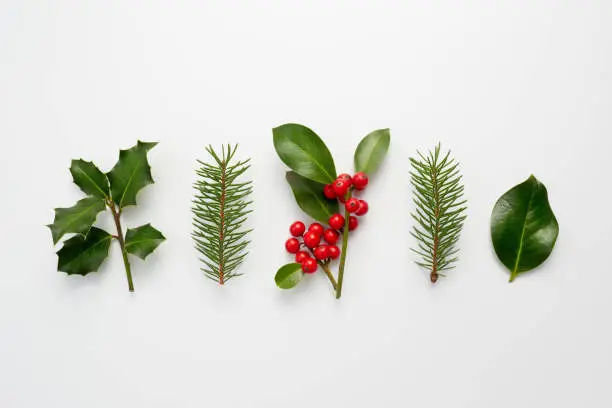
[334,251]
[309,265]
[363,208]
[336,221]
[321,252]
[312,239]
[297,229]
[342,199]
[316,228]
[360,180]
[352,205]
[328,191]
[346,177]
[292,245]
[340,187]
[353,223]
[301,256]
[331,236]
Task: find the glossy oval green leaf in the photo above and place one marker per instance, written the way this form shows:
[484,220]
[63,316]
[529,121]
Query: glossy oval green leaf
[309,196]
[131,173]
[372,150]
[288,276]
[523,227]
[81,255]
[89,178]
[304,152]
[77,219]
[142,241]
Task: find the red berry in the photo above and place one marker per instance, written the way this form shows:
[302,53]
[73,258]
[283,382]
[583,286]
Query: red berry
[363,208]
[312,239]
[328,191]
[352,205]
[321,252]
[331,236]
[336,221]
[346,177]
[360,180]
[353,223]
[340,187]
[334,251]
[309,265]
[292,245]
[297,229]
[316,228]
[342,199]
[301,256]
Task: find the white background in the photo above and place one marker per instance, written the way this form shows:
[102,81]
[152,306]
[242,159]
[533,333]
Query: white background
[512,87]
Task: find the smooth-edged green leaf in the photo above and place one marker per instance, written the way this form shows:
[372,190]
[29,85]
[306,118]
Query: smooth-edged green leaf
[372,150]
[288,276]
[89,178]
[523,227]
[304,152]
[81,255]
[77,219]
[142,241]
[131,173]
[309,196]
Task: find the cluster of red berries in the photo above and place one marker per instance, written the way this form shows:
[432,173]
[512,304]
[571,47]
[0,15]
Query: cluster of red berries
[338,189]
[311,238]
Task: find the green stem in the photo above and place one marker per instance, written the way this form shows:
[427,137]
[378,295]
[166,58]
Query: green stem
[126,262]
[345,235]
[329,275]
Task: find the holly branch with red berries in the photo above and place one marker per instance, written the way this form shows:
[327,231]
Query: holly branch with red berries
[319,192]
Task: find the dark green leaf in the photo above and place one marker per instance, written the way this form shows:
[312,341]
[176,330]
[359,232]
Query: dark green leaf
[89,178]
[289,276]
[372,150]
[309,196]
[131,173]
[81,255]
[77,219]
[143,240]
[523,227]
[304,152]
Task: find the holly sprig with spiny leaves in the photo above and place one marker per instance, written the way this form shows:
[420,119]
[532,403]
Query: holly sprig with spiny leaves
[113,191]
[439,210]
[220,208]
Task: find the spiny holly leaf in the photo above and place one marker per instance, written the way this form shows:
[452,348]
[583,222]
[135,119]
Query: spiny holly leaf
[131,173]
[77,219]
[81,255]
[142,241]
[288,276]
[523,227]
[309,196]
[89,178]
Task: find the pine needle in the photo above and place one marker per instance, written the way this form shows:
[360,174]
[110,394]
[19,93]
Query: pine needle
[439,210]
[220,207]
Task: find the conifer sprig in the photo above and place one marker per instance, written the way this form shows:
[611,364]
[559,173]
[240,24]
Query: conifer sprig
[220,207]
[439,212]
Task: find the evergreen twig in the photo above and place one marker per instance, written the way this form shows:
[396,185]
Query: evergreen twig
[439,212]
[220,208]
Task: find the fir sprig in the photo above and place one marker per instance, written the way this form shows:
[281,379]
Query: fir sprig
[220,208]
[439,213]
